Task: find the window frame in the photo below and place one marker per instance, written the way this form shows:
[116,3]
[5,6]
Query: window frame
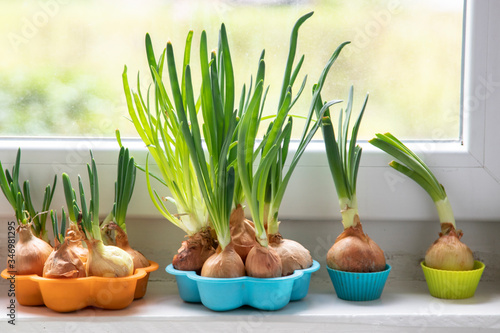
[468,168]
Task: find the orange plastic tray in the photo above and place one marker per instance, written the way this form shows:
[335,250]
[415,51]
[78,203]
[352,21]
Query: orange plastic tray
[27,290]
[66,295]
[142,284]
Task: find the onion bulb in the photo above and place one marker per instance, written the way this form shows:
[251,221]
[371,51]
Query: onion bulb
[121,239]
[108,260]
[354,251]
[31,252]
[194,252]
[449,253]
[224,264]
[242,232]
[64,262]
[263,262]
[292,254]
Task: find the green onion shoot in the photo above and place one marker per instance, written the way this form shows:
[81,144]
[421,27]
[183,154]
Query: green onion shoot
[20,199]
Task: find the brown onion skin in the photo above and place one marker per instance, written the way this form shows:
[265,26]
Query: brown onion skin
[31,252]
[64,262]
[242,232]
[292,254]
[224,264]
[448,252]
[121,240]
[263,262]
[76,245]
[354,251]
[194,252]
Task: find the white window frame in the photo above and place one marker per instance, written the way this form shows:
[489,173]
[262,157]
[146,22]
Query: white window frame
[470,169]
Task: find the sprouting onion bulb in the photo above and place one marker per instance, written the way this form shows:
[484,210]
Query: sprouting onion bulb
[103,260]
[160,129]
[32,248]
[262,261]
[265,186]
[115,221]
[293,255]
[447,252]
[216,175]
[353,250]
[65,260]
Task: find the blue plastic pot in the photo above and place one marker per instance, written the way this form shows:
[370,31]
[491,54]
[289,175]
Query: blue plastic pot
[228,294]
[352,286]
[188,288]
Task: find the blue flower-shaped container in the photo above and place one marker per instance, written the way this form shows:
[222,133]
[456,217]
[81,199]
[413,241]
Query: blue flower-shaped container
[228,294]
[352,286]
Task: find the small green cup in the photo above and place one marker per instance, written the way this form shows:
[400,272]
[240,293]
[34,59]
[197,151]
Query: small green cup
[453,284]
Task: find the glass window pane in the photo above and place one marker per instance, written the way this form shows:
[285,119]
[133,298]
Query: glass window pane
[62,61]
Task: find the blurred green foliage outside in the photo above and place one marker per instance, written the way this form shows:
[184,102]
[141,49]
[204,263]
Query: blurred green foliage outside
[62,61]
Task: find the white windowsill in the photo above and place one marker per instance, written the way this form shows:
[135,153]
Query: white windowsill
[404,306]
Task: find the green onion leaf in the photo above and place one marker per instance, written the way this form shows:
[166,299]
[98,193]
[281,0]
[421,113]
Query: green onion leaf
[415,168]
